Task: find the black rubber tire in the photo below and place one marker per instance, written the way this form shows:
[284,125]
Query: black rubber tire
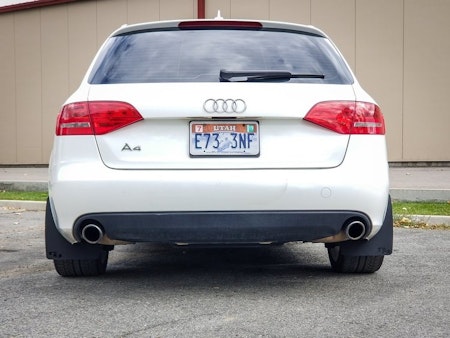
[80,268]
[353,264]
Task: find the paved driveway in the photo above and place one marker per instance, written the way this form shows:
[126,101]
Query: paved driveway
[288,291]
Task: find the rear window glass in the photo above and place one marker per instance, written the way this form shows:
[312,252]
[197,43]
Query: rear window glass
[199,55]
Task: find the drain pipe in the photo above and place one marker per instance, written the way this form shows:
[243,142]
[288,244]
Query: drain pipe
[201,9]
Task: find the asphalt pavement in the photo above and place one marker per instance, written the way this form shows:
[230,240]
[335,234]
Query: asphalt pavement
[406,184]
[280,291]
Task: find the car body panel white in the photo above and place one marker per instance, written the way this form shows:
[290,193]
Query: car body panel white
[162,138]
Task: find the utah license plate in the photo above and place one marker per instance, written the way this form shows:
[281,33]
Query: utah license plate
[224,138]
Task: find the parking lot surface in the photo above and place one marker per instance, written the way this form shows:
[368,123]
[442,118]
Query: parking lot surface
[287,291]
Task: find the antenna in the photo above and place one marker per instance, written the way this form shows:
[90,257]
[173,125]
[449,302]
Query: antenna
[219,16]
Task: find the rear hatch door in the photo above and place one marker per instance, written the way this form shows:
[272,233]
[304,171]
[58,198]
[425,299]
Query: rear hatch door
[165,138]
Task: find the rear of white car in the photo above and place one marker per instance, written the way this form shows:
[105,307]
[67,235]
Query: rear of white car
[218,132]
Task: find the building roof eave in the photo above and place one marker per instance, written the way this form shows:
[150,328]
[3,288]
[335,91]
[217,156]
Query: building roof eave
[31,4]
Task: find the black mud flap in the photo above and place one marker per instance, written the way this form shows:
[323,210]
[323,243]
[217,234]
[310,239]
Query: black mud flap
[381,244]
[58,248]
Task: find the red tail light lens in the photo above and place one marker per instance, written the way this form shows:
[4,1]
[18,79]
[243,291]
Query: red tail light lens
[74,120]
[348,117]
[95,118]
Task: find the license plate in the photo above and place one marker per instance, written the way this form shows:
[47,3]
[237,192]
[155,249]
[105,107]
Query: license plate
[224,138]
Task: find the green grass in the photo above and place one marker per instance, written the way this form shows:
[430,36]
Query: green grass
[403,212]
[23,195]
[421,208]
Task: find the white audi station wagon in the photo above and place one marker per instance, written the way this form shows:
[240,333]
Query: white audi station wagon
[218,133]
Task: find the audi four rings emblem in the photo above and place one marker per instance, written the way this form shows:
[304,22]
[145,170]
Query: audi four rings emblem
[224,106]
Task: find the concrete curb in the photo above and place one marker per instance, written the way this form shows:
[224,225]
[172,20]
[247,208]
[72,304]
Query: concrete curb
[420,195]
[27,205]
[24,185]
[431,220]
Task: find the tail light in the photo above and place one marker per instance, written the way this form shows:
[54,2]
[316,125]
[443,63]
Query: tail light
[95,118]
[348,117]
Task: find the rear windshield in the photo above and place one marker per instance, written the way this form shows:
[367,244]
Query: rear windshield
[200,55]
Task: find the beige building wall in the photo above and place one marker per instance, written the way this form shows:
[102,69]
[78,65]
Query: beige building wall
[397,48]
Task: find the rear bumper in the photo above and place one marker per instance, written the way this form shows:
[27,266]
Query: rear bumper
[262,205]
[267,204]
[221,227]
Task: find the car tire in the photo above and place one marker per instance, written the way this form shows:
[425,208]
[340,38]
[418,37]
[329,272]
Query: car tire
[82,267]
[353,264]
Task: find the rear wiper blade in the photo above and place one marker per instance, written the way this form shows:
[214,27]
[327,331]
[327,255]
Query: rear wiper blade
[263,75]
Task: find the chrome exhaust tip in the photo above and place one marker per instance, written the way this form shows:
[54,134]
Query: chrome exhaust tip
[355,230]
[92,233]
